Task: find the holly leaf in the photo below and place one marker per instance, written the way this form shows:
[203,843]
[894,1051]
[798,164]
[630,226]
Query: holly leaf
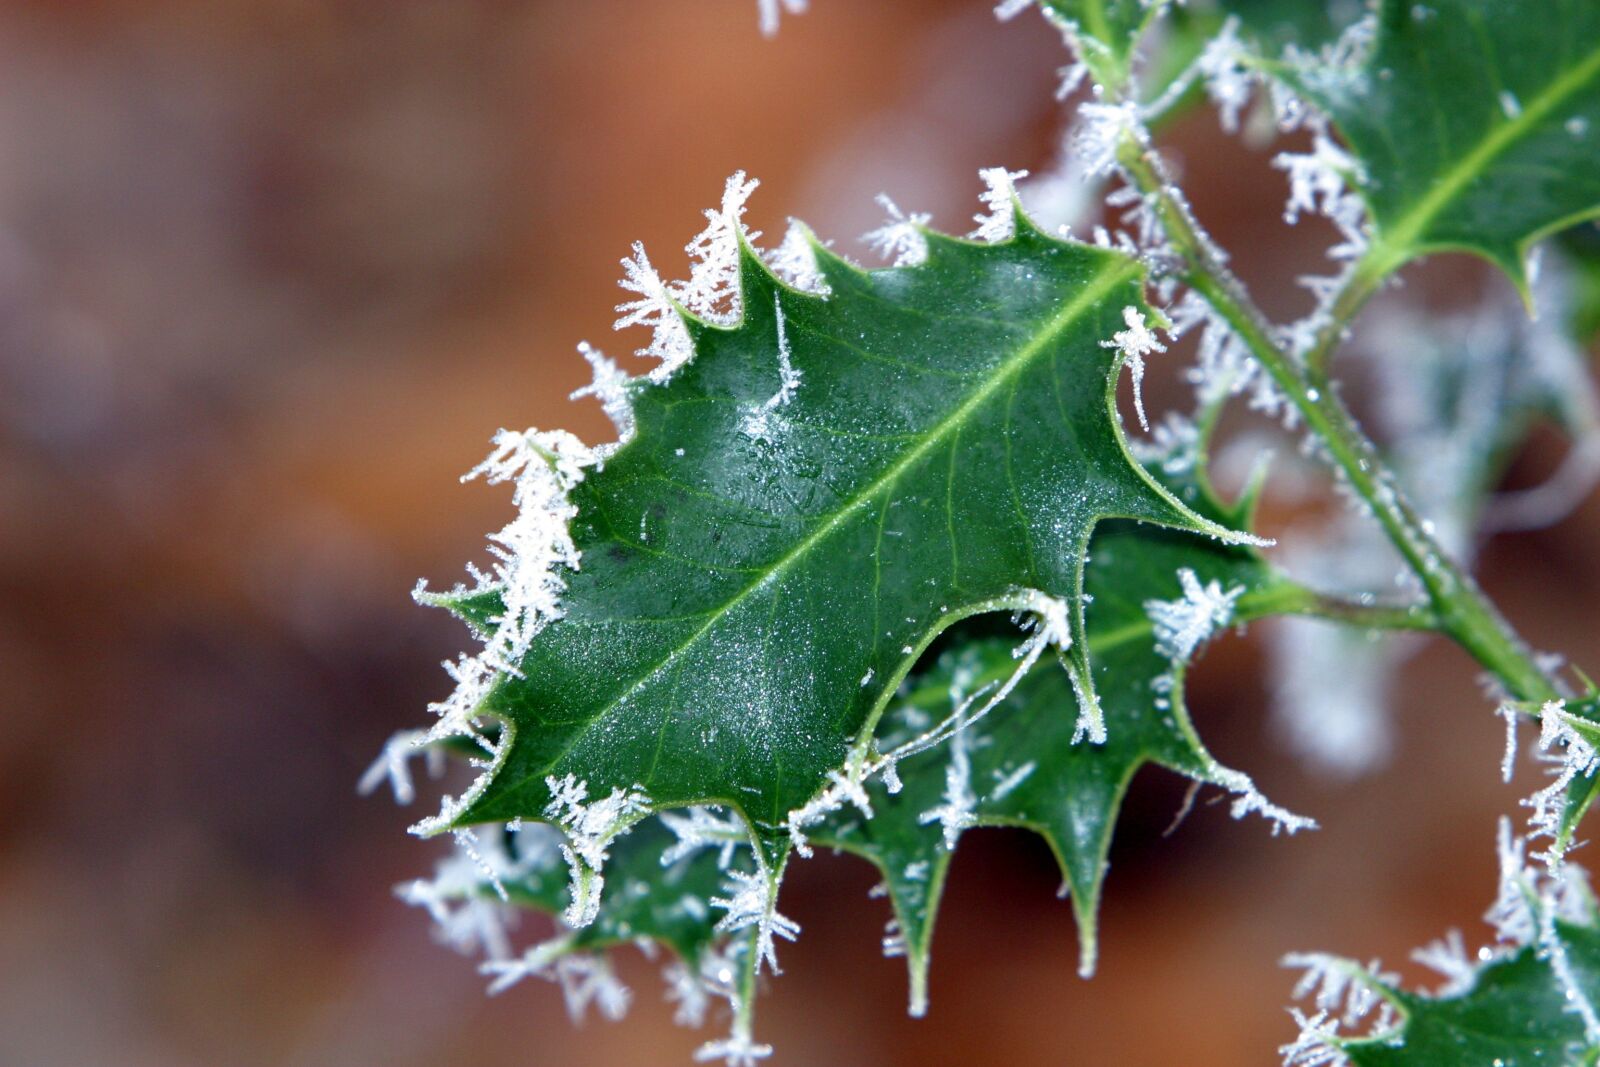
[1517,1013]
[824,487]
[1474,125]
[1021,765]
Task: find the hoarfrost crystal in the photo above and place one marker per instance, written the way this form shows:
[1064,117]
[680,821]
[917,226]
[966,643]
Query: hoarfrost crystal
[590,826]
[394,765]
[900,239]
[999,196]
[1135,343]
[958,812]
[610,388]
[750,904]
[703,828]
[757,424]
[795,261]
[1182,625]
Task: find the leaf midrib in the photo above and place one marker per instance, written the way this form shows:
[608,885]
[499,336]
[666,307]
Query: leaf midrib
[1070,312]
[1403,235]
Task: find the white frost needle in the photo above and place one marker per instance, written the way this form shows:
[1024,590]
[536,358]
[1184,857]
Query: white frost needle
[1135,343]
[1184,624]
[999,196]
[394,765]
[900,239]
[757,424]
[750,903]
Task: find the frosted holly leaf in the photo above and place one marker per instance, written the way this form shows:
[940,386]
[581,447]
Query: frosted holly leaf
[934,442]
[1473,123]
[1528,998]
[1020,765]
[1515,1012]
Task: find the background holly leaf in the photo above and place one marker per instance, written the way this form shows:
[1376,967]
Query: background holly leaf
[1475,124]
[749,597]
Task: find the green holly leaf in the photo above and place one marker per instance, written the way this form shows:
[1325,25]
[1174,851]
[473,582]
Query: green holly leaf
[1517,1013]
[1021,764]
[823,488]
[1474,122]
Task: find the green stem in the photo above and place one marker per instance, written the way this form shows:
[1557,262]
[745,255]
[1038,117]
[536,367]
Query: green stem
[1290,598]
[1365,279]
[1463,611]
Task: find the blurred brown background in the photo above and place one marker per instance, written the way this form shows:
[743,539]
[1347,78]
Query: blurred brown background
[271,273]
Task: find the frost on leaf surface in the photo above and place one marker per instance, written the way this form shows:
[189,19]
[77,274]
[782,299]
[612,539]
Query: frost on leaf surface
[934,441]
[1448,163]
[1023,764]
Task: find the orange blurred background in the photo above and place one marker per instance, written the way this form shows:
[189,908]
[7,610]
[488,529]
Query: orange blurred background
[271,274]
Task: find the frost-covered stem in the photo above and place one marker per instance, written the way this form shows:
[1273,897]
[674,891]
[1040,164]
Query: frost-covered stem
[1464,612]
